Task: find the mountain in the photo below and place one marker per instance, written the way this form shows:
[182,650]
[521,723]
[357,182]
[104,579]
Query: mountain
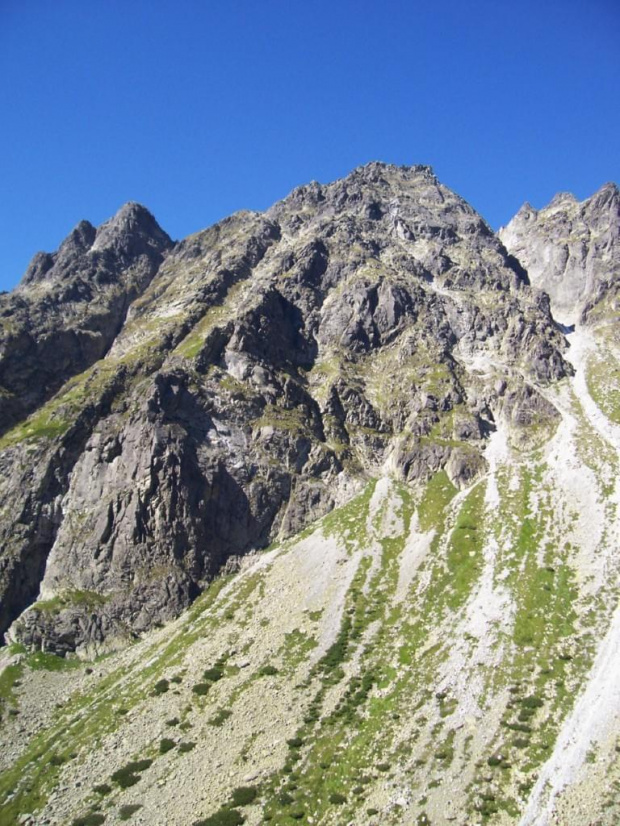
[71,305]
[571,250]
[273,364]
[328,516]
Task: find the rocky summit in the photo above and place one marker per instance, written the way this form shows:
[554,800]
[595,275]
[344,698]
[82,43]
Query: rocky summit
[572,252]
[313,516]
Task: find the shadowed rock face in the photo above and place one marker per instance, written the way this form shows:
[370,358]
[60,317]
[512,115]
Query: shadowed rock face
[571,250]
[255,375]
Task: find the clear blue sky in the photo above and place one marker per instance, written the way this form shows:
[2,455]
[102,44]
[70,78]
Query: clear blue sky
[197,109]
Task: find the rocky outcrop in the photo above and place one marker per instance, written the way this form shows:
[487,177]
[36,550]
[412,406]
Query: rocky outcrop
[270,365]
[71,304]
[571,250]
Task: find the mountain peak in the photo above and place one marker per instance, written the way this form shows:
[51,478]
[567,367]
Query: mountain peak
[131,232]
[551,248]
[607,196]
[562,198]
[78,242]
[131,222]
[407,171]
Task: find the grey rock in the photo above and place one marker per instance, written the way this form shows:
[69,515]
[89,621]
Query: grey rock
[571,250]
[258,373]
[71,304]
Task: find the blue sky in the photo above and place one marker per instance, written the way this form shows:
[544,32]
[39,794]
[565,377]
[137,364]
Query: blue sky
[197,109]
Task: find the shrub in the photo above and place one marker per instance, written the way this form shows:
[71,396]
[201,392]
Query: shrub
[129,809]
[174,721]
[166,745]
[161,686]
[383,767]
[213,674]
[201,689]
[488,807]
[532,702]
[225,817]
[268,671]
[92,819]
[126,780]
[285,799]
[521,742]
[102,788]
[372,812]
[295,743]
[220,717]
[298,814]
[57,760]
[337,799]
[520,727]
[129,775]
[337,652]
[244,795]
[185,747]
[139,765]
[176,679]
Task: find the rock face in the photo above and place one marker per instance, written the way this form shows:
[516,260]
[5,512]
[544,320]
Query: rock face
[222,394]
[71,304]
[571,250]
